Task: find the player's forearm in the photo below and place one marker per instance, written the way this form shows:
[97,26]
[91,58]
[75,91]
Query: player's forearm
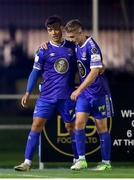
[89,79]
[32,80]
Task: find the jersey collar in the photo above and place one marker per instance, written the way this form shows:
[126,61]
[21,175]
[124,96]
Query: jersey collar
[85,42]
[60,45]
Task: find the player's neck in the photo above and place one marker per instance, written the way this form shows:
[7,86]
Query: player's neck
[59,42]
[83,39]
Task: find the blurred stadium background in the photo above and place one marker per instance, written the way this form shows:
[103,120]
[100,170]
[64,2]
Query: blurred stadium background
[21,33]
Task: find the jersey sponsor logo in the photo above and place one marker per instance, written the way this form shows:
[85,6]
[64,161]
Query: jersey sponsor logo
[95,57]
[36,59]
[81,68]
[61,65]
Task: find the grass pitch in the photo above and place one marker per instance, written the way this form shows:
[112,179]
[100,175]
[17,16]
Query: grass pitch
[12,152]
[61,170]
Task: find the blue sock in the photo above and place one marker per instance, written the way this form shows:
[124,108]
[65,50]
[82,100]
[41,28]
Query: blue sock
[32,143]
[73,142]
[105,143]
[80,138]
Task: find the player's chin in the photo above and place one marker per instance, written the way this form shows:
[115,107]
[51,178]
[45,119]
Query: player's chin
[56,38]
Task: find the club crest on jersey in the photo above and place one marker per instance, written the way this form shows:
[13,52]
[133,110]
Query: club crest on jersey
[94,50]
[81,68]
[61,65]
[84,56]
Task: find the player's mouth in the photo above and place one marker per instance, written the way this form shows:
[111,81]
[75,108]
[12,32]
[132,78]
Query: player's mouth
[55,37]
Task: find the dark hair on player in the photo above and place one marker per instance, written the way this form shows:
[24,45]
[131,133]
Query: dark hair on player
[54,20]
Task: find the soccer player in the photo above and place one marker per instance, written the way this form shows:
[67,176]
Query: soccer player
[57,65]
[92,96]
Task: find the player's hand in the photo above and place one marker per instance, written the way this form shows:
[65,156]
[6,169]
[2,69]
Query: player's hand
[44,45]
[75,94]
[24,99]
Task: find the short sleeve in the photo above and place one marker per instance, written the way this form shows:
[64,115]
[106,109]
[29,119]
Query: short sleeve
[95,55]
[39,59]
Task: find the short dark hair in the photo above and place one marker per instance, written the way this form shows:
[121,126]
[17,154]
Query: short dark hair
[54,20]
[73,25]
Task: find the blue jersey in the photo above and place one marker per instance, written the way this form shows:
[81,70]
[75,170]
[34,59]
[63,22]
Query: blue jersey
[89,56]
[58,67]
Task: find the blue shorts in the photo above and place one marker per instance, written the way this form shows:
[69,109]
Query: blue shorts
[46,109]
[99,108]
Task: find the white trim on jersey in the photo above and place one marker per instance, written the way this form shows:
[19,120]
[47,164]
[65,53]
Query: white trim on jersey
[36,59]
[60,45]
[85,42]
[100,66]
[36,68]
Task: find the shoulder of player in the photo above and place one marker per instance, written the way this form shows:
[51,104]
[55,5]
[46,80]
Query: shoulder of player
[92,45]
[40,52]
[92,42]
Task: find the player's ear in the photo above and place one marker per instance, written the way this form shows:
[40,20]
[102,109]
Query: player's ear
[79,30]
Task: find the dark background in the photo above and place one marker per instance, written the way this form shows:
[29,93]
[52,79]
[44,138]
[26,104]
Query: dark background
[32,13]
[21,33]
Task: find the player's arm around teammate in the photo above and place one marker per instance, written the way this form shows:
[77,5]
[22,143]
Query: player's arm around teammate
[56,67]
